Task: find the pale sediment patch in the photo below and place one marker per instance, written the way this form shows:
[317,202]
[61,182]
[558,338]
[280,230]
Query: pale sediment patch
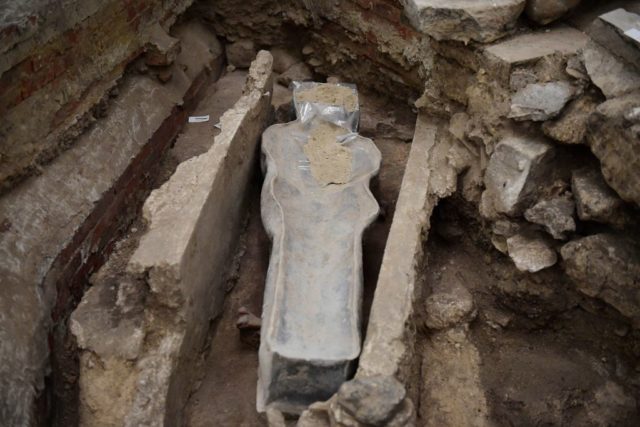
[330,94]
[330,162]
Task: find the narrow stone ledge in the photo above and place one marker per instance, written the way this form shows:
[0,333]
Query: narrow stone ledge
[177,271]
[427,178]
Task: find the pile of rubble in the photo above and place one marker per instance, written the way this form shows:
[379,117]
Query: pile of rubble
[551,120]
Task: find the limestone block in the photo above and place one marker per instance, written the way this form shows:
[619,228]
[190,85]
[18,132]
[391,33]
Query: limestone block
[464,20]
[612,75]
[546,11]
[316,204]
[555,214]
[517,169]
[531,252]
[595,200]
[613,140]
[446,308]
[607,267]
[540,101]
[372,400]
[614,30]
[528,47]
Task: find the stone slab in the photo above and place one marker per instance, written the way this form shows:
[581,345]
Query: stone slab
[612,75]
[464,20]
[529,47]
[618,31]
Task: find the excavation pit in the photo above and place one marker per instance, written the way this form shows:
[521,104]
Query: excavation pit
[499,285]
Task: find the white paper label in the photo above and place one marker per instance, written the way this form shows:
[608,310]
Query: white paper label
[633,33]
[198,119]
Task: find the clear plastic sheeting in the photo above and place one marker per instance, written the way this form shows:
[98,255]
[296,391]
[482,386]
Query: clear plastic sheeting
[315,206]
[345,114]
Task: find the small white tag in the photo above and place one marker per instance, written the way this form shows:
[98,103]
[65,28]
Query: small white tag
[633,33]
[198,119]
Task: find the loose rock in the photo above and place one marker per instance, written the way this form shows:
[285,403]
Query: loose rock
[241,53]
[607,267]
[571,127]
[541,101]
[372,400]
[611,31]
[531,252]
[595,200]
[545,11]
[555,214]
[617,145]
[449,308]
[516,170]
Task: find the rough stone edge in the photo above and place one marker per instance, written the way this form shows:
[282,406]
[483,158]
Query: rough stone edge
[388,344]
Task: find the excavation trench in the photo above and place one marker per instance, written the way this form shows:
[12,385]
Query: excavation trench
[500,279]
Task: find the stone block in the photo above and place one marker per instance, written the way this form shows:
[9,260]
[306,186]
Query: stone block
[373,400]
[529,47]
[613,76]
[464,20]
[555,214]
[595,200]
[315,206]
[182,270]
[540,101]
[517,170]
[607,267]
[613,30]
[613,140]
[531,252]
[546,11]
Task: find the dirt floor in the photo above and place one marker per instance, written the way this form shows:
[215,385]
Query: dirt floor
[536,353]
[226,396]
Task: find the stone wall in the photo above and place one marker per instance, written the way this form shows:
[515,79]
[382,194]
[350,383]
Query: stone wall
[58,61]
